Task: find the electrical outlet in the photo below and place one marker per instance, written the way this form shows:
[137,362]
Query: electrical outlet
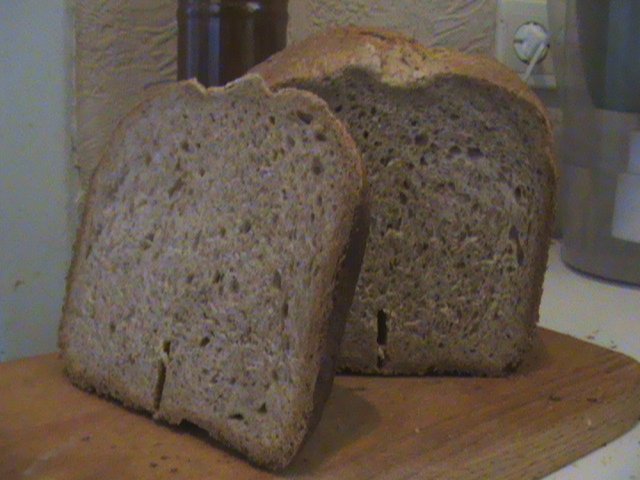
[522,24]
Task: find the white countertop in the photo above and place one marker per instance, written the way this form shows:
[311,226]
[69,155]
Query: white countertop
[607,314]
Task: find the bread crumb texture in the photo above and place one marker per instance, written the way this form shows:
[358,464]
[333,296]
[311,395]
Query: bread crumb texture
[458,152]
[203,274]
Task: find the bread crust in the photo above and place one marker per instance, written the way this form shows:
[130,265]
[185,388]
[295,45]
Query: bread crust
[380,51]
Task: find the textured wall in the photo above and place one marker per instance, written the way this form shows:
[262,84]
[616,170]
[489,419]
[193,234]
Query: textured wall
[466,24]
[122,46]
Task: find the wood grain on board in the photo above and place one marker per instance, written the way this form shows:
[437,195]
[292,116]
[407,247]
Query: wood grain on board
[569,398]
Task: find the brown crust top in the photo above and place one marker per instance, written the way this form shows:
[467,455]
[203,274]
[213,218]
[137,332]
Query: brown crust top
[396,59]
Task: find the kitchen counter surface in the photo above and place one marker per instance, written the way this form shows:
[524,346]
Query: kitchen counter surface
[607,314]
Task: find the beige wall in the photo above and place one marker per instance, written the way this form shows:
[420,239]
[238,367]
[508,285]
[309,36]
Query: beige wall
[122,47]
[466,24]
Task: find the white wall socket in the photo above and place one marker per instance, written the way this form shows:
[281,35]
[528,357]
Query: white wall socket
[518,19]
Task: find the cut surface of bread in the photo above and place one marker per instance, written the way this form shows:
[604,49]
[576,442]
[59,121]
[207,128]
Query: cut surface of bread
[458,152]
[216,262]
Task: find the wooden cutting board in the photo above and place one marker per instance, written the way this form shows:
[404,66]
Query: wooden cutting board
[568,399]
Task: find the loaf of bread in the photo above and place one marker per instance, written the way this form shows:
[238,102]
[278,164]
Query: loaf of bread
[216,262]
[459,156]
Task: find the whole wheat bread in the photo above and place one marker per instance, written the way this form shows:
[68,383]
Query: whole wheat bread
[458,152]
[216,262]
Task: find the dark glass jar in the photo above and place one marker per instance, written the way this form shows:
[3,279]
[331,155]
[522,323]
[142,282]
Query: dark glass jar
[219,40]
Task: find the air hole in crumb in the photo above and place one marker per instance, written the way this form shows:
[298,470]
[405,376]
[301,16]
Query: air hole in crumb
[176,187]
[305,117]
[204,341]
[474,153]
[518,193]
[245,227]
[196,240]
[291,141]
[263,408]
[316,166]
[421,139]
[236,416]
[277,280]
[455,150]
[514,235]
[382,327]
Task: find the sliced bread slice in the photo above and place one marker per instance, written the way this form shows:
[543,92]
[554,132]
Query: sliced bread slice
[216,262]
[459,156]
